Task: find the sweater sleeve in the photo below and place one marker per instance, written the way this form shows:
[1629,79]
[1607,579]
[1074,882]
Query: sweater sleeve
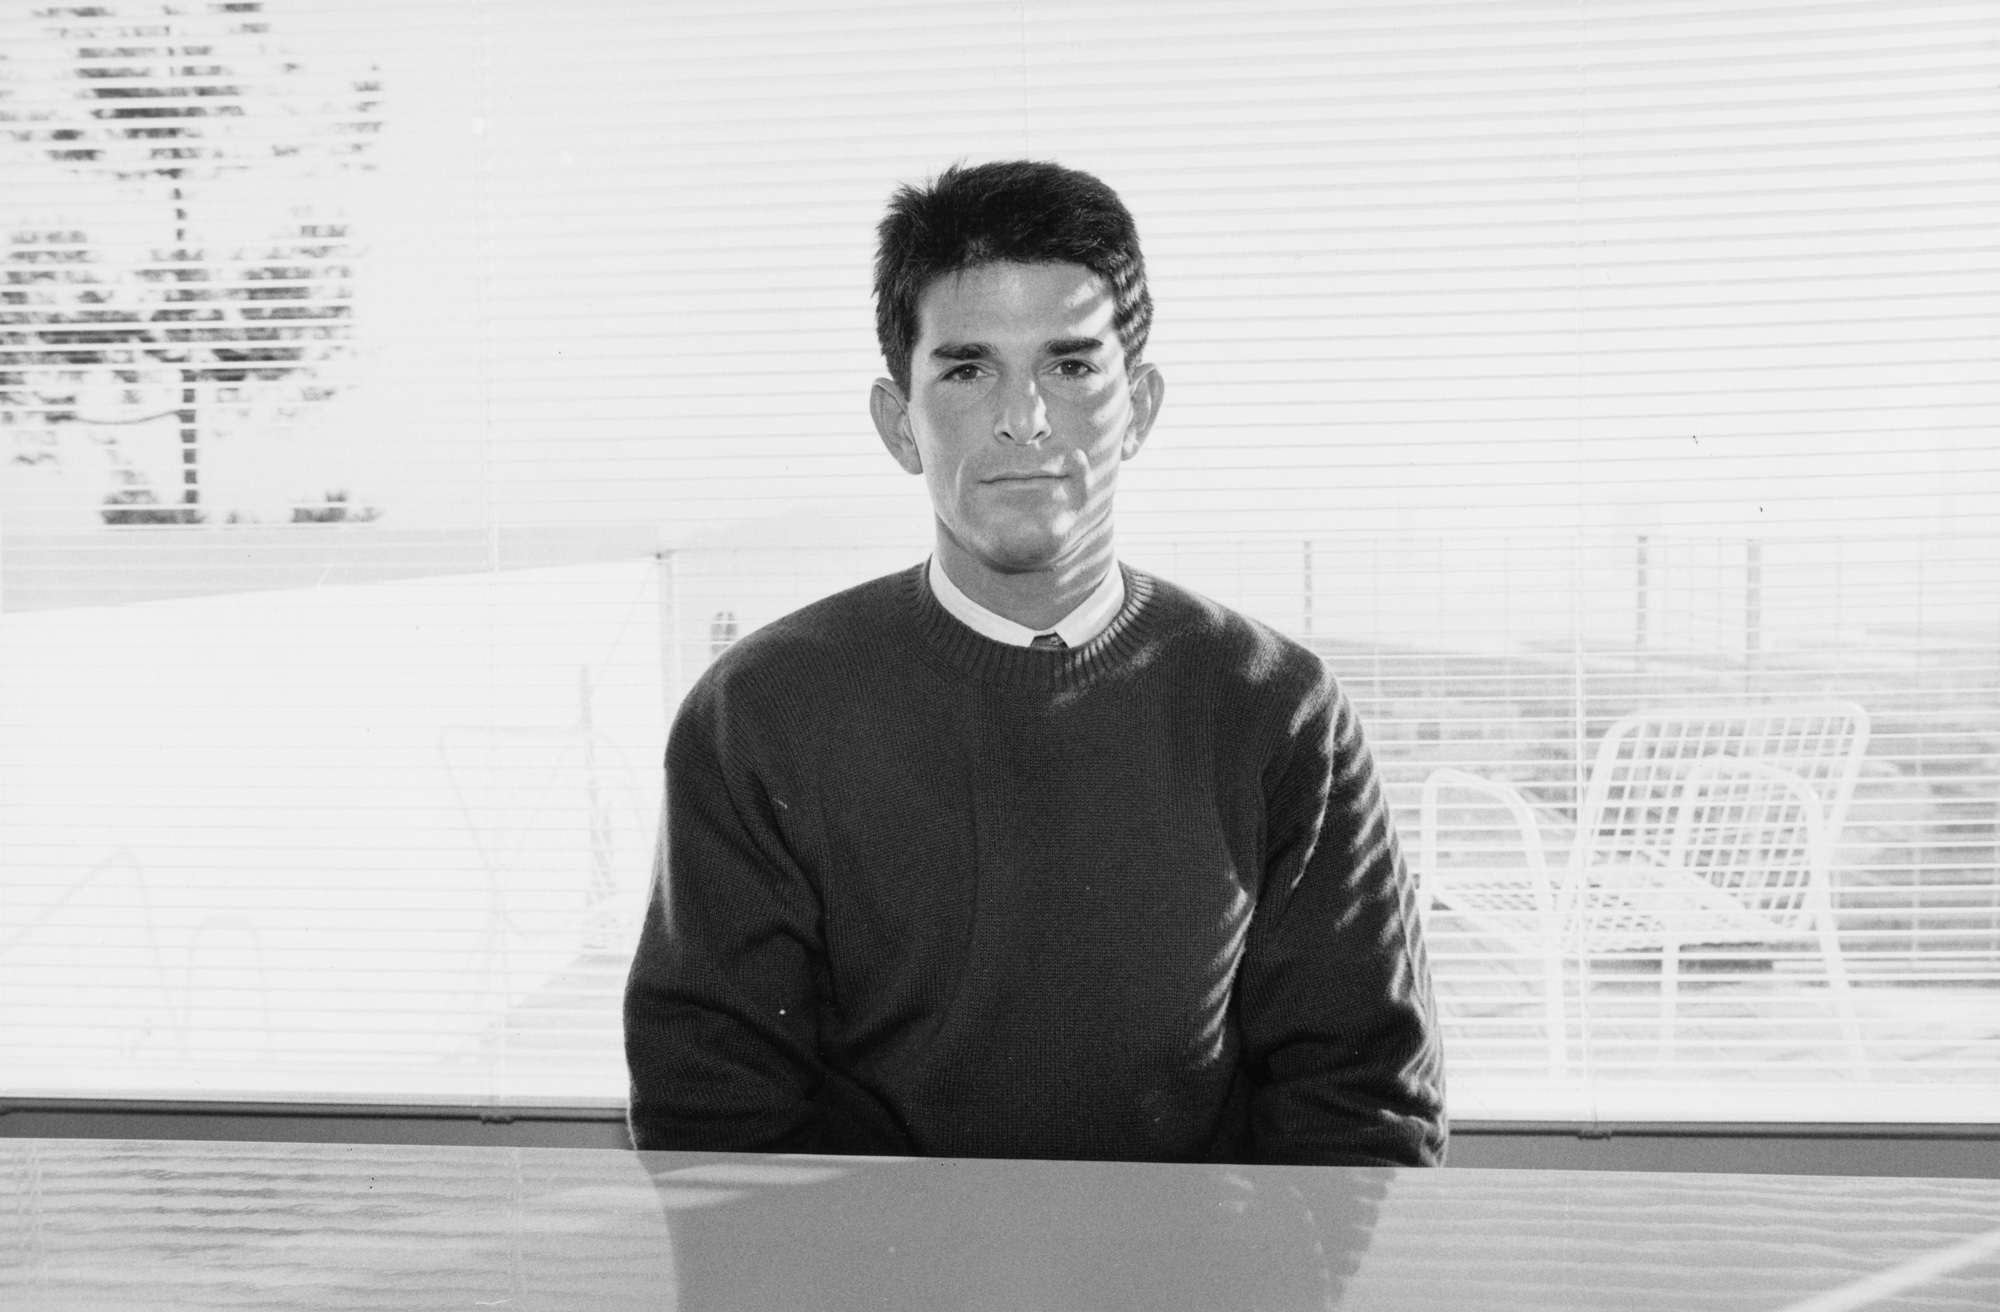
[720,1016]
[1336,1013]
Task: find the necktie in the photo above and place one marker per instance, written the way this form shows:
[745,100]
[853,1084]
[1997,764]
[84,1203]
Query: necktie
[1049,642]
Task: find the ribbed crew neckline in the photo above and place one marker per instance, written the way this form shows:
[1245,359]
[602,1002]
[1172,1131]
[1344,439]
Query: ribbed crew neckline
[1030,669]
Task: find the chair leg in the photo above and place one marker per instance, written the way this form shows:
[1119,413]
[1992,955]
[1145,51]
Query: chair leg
[1552,1006]
[1843,996]
[1670,971]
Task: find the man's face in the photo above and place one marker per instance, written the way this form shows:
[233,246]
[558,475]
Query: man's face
[1019,411]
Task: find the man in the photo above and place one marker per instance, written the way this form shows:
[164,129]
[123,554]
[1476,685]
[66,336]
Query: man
[1024,852]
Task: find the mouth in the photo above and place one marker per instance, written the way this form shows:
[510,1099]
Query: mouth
[1025,478]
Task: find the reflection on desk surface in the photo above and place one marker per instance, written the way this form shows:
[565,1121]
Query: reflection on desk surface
[102,1224]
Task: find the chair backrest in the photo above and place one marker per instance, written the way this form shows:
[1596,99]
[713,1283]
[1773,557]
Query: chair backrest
[1631,800]
[1754,831]
[558,822]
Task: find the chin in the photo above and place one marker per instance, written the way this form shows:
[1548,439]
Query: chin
[1024,552]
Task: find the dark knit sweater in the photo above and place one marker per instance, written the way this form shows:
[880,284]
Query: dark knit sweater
[925,893]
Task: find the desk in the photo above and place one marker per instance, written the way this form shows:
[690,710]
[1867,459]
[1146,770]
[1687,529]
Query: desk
[140,1224]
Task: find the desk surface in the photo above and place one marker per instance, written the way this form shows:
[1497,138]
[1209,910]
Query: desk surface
[111,1224]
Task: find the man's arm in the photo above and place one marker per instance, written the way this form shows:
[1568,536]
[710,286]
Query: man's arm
[720,1009]
[1339,1028]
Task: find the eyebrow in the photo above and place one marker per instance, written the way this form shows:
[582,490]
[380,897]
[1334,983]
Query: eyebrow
[962,351]
[981,351]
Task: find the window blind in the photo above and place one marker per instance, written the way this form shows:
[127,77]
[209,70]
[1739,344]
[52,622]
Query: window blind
[391,442]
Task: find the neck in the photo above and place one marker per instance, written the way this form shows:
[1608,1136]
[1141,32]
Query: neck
[1037,598]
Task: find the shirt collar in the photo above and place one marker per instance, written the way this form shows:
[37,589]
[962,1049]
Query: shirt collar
[1091,617]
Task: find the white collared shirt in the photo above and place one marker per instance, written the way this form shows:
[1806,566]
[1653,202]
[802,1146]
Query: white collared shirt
[1092,616]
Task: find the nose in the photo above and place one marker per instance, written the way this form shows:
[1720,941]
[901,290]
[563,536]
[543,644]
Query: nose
[1023,418]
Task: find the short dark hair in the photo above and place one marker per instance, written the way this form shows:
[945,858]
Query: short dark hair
[1020,210]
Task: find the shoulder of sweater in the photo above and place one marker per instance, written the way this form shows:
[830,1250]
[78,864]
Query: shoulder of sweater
[1245,648]
[812,639]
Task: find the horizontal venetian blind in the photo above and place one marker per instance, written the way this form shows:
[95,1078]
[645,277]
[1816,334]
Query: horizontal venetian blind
[1539,365]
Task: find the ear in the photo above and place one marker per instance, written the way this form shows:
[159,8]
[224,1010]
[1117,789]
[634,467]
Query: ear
[1148,389]
[890,409]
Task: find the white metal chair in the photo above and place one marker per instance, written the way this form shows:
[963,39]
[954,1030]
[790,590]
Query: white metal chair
[84,978]
[1748,862]
[1517,904]
[565,841]
[1700,826]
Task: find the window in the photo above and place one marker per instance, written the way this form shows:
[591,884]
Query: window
[402,404]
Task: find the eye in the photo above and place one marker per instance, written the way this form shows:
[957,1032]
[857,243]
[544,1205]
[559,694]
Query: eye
[964,373]
[1075,368]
